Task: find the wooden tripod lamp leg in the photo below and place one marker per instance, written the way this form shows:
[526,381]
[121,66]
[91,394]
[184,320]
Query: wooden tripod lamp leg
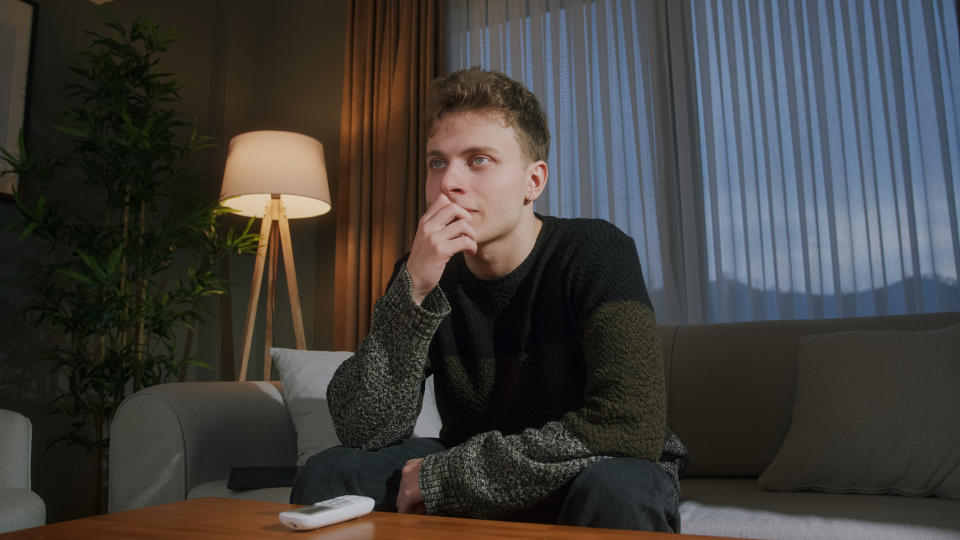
[251,317]
[292,288]
[273,259]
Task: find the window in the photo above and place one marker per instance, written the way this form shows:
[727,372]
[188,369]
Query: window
[771,159]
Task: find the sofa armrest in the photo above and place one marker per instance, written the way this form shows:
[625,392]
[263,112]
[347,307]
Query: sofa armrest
[169,438]
[15,450]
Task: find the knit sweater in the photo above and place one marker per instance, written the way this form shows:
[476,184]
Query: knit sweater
[537,374]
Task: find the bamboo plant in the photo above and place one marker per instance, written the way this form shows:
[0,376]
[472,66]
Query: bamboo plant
[131,250]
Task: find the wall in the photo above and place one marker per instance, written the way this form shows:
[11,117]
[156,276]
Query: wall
[245,65]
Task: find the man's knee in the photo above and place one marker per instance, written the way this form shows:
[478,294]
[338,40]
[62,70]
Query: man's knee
[622,493]
[330,473]
[351,471]
[338,461]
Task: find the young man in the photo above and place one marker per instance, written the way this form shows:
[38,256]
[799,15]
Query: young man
[538,331]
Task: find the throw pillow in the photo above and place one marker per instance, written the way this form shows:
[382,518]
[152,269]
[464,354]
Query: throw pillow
[874,412]
[305,376]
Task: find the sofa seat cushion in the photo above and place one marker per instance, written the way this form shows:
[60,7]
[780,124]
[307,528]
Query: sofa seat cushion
[218,488]
[739,508]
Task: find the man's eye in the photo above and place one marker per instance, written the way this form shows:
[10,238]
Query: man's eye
[477,161]
[436,164]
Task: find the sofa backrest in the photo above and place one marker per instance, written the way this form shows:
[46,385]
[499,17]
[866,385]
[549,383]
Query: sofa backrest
[730,386]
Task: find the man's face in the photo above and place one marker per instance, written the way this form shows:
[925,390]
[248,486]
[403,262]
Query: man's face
[476,161]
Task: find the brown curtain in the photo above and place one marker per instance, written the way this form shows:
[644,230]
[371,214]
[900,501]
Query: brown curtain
[393,52]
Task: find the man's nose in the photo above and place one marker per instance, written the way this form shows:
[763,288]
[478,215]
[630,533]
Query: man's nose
[453,181]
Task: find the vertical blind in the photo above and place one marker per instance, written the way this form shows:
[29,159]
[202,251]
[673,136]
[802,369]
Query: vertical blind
[772,160]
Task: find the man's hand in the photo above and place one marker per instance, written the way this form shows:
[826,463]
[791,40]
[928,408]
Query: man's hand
[444,231]
[409,498]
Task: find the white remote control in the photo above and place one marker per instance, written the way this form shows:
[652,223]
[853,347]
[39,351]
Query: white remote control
[327,512]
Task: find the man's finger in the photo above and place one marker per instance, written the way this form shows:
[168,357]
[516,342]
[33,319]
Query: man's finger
[466,244]
[438,204]
[457,229]
[449,214]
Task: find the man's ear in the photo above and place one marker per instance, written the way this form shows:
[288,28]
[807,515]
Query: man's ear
[536,180]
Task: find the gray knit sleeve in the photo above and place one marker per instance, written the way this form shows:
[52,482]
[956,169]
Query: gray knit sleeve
[492,475]
[375,396]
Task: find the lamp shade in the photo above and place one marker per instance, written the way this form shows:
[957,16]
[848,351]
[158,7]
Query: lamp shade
[261,164]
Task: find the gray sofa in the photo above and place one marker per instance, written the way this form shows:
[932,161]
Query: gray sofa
[731,391]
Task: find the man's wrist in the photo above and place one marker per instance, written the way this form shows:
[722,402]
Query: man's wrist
[429,480]
[417,296]
[419,291]
[423,299]
[395,311]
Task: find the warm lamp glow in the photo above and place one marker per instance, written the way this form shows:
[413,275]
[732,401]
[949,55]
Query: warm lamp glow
[261,164]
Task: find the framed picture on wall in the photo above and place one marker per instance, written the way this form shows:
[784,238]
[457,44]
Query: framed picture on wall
[17,24]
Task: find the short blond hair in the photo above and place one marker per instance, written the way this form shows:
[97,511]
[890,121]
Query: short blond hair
[475,89]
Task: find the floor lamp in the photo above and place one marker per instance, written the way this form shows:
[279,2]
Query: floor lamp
[276,176]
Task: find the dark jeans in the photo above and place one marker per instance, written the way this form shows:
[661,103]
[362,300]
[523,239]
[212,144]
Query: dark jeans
[615,493]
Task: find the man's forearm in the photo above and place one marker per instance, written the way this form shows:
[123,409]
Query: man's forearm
[492,475]
[375,396]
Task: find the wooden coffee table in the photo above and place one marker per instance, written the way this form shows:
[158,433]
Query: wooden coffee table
[238,519]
